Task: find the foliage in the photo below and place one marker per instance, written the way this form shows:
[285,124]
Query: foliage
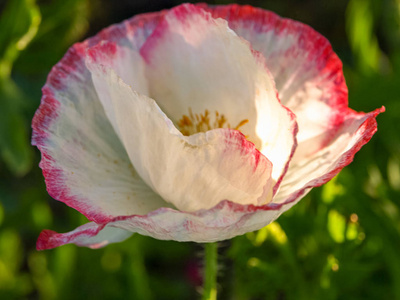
[340,242]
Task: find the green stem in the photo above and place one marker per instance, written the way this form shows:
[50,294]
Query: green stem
[140,289]
[210,272]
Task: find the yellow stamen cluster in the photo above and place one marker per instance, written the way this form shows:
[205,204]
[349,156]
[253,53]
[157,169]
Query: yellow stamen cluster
[194,123]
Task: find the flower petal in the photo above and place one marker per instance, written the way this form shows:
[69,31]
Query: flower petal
[89,235]
[126,63]
[224,221]
[197,62]
[307,73]
[131,33]
[194,172]
[83,161]
[355,131]
[194,61]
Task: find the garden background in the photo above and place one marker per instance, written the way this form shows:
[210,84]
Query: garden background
[340,242]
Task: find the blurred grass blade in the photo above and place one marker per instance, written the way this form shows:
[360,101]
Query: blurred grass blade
[15,149]
[359,26]
[19,23]
[61,18]
[16,35]
[391,25]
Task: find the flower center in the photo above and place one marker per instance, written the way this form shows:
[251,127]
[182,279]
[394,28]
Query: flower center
[195,123]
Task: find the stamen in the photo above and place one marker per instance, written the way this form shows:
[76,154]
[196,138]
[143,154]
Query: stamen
[194,123]
[241,123]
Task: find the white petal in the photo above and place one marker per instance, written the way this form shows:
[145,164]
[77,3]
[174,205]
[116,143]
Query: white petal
[224,221]
[307,73]
[310,82]
[83,161]
[197,62]
[356,130]
[126,63]
[89,235]
[195,172]
[277,128]
[194,61]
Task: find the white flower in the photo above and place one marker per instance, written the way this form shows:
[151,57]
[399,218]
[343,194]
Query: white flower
[194,124]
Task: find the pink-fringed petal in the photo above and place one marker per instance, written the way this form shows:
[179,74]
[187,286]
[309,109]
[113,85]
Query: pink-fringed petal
[130,33]
[194,172]
[224,221]
[89,235]
[307,73]
[303,174]
[197,62]
[194,61]
[83,161]
[310,82]
[126,63]
[277,128]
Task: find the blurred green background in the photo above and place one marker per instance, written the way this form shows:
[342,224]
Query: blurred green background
[341,242]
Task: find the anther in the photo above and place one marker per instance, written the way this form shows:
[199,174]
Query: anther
[194,123]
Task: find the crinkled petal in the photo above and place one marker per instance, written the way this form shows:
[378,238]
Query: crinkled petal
[310,82]
[131,33]
[126,63]
[224,221]
[89,235]
[195,61]
[356,130]
[83,161]
[307,73]
[194,172]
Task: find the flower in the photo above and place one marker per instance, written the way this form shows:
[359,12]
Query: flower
[196,124]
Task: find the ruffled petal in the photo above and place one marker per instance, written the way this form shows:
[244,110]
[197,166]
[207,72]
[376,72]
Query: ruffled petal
[197,62]
[131,33]
[126,63]
[307,73]
[194,172]
[83,161]
[355,131]
[224,221]
[89,235]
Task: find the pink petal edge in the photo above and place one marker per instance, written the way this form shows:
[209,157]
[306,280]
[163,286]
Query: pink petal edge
[213,224]
[49,239]
[69,67]
[311,48]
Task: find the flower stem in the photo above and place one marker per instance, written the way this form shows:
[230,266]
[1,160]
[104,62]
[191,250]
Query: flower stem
[210,272]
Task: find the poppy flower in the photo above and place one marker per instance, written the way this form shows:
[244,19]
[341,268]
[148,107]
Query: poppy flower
[198,123]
